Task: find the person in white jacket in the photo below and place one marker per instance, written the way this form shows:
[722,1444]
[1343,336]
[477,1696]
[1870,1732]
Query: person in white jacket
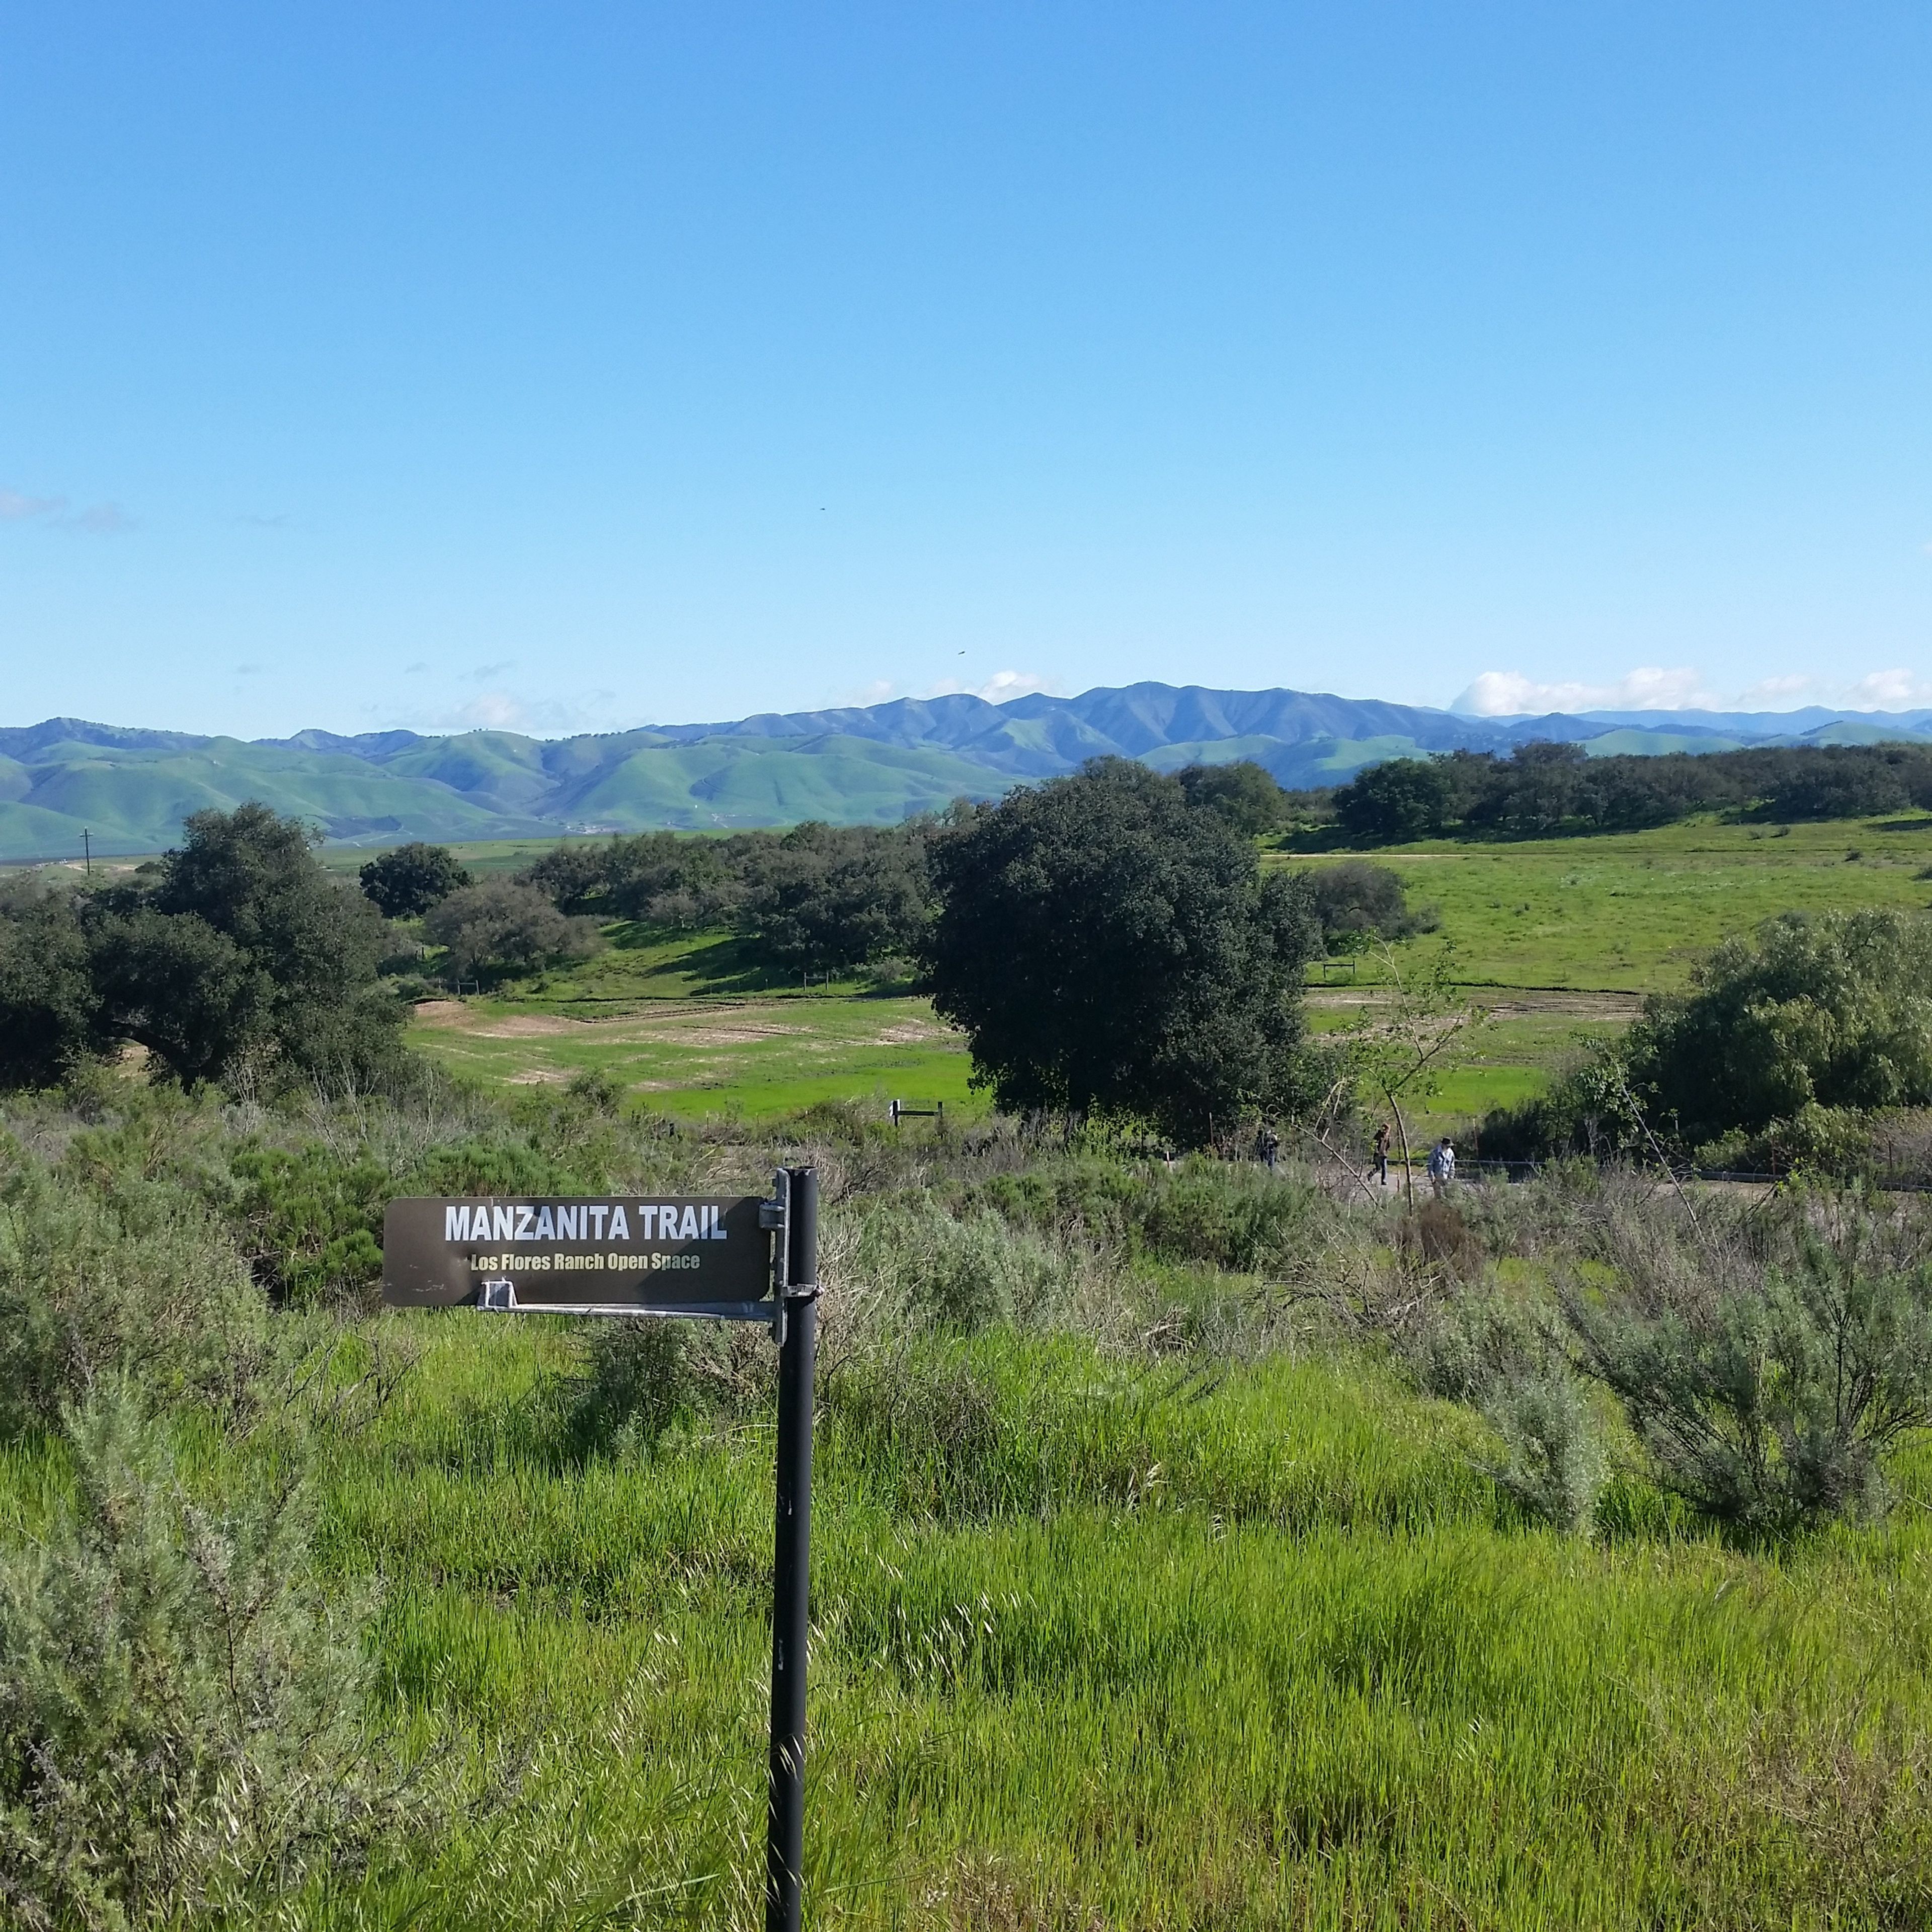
[1441,1167]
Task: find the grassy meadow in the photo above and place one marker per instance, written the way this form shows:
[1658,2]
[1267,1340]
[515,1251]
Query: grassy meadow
[1559,938]
[1151,1589]
[1633,912]
[755,1058]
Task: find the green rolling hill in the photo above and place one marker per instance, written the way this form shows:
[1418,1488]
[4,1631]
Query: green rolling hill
[128,789]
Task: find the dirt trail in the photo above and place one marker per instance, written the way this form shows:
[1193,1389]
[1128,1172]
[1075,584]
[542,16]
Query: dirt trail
[1505,1002]
[692,1023]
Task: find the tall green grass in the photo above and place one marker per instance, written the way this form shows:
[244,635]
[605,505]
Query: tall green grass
[1097,1644]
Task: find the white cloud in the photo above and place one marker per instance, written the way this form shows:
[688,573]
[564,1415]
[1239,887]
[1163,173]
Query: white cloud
[1779,693]
[15,507]
[544,718]
[1001,688]
[1505,693]
[100,520]
[1896,690]
[97,520]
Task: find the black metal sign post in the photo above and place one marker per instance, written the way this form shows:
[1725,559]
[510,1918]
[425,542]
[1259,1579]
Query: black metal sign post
[791,1553]
[690,1259]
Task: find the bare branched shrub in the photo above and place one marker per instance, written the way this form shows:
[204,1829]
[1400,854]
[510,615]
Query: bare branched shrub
[1436,1235]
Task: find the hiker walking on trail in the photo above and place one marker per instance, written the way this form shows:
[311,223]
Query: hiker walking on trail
[1441,1167]
[1267,1145]
[1381,1153]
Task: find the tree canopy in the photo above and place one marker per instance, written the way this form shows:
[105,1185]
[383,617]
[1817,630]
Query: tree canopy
[505,926]
[1356,901]
[1109,948]
[1242,792]
[819,899]
[407,881]
[236,950]
[1833,1010]
[1788,1041]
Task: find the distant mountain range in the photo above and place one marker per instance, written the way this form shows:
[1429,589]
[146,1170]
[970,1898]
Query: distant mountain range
[130,789]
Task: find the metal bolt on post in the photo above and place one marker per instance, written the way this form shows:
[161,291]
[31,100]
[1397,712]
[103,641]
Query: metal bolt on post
[791,1563]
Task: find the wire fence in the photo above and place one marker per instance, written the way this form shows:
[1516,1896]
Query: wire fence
[1525,1170]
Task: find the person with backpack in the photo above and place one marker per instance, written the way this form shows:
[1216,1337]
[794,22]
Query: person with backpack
[1381,1153]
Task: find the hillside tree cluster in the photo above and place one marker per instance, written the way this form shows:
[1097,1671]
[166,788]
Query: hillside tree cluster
[1544,787]
[818,898]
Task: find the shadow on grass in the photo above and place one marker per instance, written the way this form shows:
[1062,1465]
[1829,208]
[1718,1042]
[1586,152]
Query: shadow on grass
[715,963]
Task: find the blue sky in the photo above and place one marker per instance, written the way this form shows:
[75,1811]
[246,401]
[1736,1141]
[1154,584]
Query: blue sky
[570,367]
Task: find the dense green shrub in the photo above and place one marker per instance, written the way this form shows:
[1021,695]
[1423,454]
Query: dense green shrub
[1401,798]
[1833,785]
[1833,1010]
[1497,1354]
[1545,787]
[236,959]
[131,1279]
[309,1217]
[182,1718]
[304,1002]
[1224,1214]
[1227,1216]
[500,1165]
[309,1220]
[1356,901]
[1553,1462]
[1587,1109]
[818,898]
[1241,792]
[830,899]
[632,1383]
[1788,1044]
[961,1275]
[50,1019]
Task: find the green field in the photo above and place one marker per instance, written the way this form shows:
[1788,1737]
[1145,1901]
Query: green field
[756,1057]
[1633,912]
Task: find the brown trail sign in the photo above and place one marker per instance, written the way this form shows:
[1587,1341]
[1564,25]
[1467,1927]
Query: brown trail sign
[734,1258]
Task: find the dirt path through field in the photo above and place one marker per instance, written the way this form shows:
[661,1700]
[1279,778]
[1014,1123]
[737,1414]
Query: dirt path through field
[1505,1002]
[684,1023]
